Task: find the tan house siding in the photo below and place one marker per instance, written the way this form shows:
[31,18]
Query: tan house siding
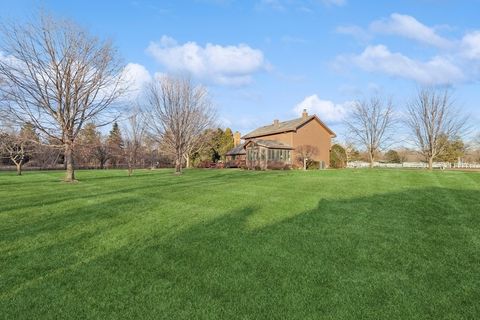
[313,133]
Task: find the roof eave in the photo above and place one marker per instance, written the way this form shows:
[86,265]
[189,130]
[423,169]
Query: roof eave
[248,136]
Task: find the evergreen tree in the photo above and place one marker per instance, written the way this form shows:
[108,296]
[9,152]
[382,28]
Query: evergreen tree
[115,145]
[226,143]
[392,156]
[452,149]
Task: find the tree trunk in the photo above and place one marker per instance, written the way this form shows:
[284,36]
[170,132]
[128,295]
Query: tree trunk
[178,165]
[304,163]
[370,155]
[130,170]
[19,168]
[430,163]
[70,171]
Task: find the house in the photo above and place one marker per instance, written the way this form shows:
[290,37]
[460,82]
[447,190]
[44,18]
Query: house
[281,143]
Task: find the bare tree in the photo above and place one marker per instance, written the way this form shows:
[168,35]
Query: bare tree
[371,124]
[177,114]
[17,146]
[305,153]
[134,134]
[101,153]
[58,77]
[14,149]
[432,118]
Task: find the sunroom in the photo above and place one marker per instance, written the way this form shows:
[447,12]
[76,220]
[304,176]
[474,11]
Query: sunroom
[262,154]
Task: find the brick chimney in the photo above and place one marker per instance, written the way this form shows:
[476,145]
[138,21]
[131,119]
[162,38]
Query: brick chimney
[275,123]
[236,138]
[304,114]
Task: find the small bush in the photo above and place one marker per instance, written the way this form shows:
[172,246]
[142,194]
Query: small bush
[313,165]
[203,164]
[275,165]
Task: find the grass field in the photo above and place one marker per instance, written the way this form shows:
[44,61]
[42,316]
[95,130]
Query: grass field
[227,244]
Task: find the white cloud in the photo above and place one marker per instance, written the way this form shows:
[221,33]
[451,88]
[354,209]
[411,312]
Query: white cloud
[470,45]
[409,27]
[226,65]
[456,60]
[135,76]
[326,110]
[436,71]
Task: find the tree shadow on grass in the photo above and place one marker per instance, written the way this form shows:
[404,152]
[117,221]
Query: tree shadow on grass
[115,185]
[410,254]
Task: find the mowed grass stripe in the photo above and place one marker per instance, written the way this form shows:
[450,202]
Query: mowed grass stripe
[227,244]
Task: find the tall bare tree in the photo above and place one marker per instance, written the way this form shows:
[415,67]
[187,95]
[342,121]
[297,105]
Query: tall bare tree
[134,135]
[371,125]
[58,77]
[433,118]
[177,114]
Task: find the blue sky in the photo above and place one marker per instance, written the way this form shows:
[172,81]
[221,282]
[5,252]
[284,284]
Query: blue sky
[268,59]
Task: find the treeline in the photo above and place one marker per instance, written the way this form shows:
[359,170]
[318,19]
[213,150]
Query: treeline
[60,84]
[453,151]
[95,150]
[431,121]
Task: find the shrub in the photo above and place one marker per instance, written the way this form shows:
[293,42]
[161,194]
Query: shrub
[275,165]
[392,156]
[338,157]
[205,164]
[313,165]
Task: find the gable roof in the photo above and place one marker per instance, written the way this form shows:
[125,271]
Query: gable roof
[285,126]
[271,144]
[237,150]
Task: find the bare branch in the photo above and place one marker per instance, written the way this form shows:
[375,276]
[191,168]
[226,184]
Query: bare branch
[371,125]
[178,112]
[432,118]
[58,77]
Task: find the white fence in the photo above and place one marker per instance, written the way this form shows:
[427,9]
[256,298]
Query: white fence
[418,165]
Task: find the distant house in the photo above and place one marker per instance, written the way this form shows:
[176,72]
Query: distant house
[279,142]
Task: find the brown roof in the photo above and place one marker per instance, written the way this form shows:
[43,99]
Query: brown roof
[271,144]
[237,150]
[285,126]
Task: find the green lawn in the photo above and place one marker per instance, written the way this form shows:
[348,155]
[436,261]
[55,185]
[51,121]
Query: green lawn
[228,244]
